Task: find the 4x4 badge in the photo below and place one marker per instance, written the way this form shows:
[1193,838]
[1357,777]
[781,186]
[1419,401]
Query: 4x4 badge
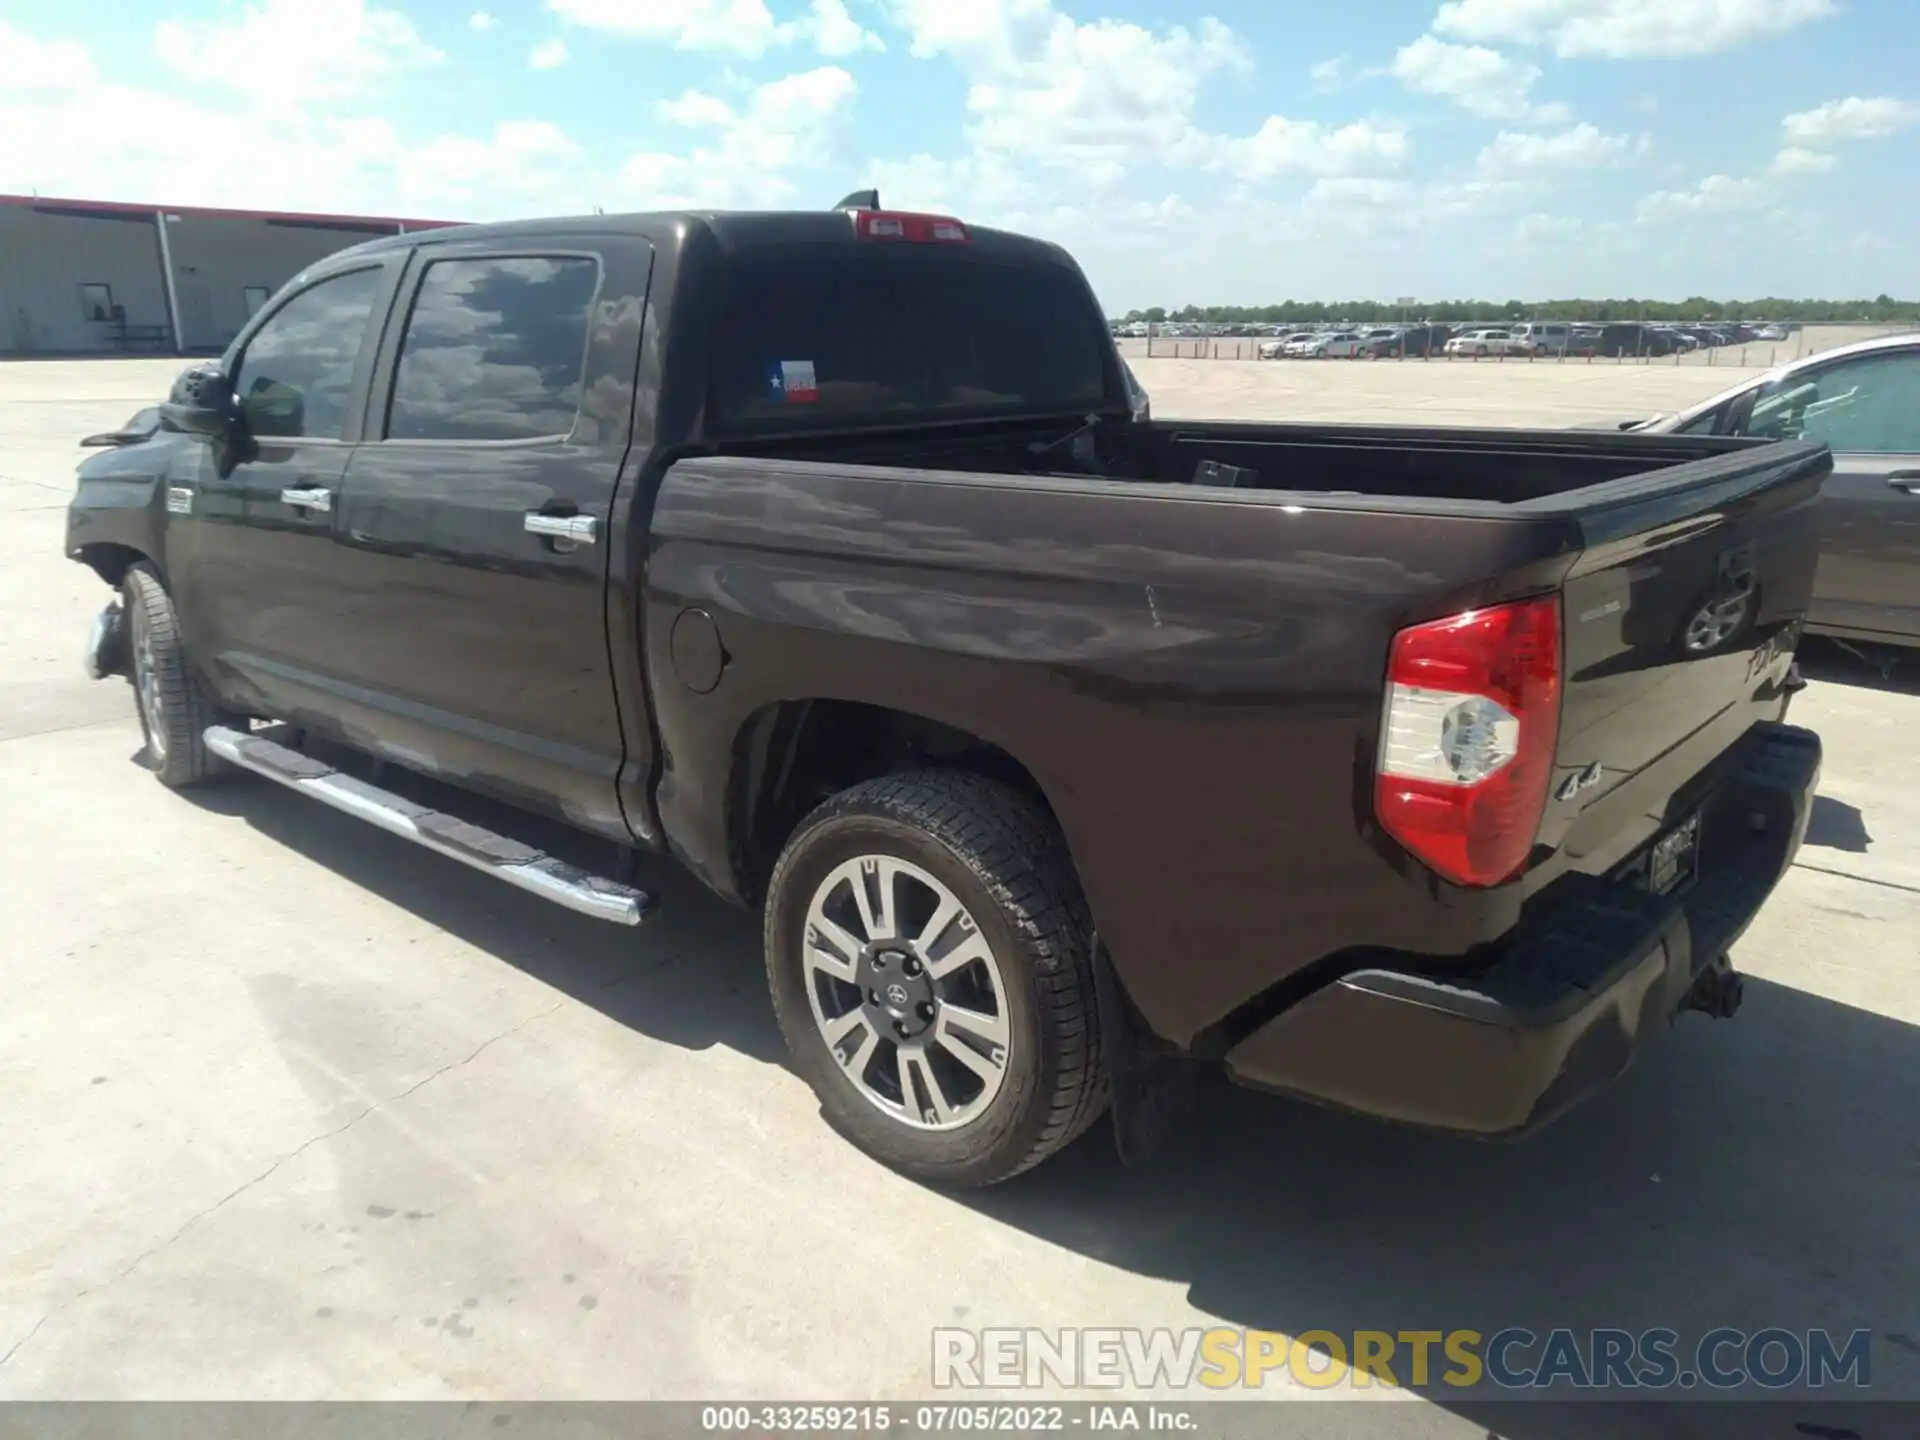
[1580,780]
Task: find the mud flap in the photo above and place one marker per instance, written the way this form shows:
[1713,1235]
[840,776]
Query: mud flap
[1150,1091]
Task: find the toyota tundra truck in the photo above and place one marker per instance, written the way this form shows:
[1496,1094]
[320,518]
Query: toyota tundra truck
[1063,749]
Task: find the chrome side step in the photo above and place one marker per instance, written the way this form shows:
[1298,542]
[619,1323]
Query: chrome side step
[509,860]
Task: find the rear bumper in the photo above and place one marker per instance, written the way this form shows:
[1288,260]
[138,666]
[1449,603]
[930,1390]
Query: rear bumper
[1577,990]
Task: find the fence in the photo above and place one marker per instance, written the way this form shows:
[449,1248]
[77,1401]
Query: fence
[1808,338]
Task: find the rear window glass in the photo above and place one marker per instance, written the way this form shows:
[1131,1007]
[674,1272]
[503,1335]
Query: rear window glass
[895,333]
[494,349]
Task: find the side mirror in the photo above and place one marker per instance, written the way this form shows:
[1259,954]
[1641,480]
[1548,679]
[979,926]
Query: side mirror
[140,427]
[202,403]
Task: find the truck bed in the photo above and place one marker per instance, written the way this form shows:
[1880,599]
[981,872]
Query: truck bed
[1209,663]
[1502,467]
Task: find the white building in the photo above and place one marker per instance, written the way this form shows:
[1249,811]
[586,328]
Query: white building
[86,277]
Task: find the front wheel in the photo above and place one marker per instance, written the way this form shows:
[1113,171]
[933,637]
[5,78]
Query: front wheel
[175,706]
[929,953]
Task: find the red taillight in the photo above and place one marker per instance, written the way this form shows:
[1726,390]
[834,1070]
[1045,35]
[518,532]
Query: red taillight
[900,225]
[1466,751]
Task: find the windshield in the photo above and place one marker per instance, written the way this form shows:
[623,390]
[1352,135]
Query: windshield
[892,334]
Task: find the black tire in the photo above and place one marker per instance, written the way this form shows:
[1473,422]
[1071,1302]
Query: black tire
[1003,859]
[182,707]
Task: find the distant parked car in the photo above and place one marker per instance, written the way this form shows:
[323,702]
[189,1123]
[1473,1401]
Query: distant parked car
[1863,402]
[1481,342]
[1770,332]
[1275,348]
[1334,345]
[1541,339]
[1626,340]
[1418,340]
[1584,340]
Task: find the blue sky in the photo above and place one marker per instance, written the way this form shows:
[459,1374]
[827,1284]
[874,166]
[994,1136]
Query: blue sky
[1187,150]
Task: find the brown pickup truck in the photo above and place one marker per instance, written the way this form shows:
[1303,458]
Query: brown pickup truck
[1064,749]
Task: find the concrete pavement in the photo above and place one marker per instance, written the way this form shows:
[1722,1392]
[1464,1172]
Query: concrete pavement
[294,1110]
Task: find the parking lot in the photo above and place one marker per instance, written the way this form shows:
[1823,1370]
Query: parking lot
[295,1110]
[1756,354]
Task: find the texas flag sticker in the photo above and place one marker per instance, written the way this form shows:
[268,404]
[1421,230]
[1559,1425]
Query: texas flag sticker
[792,381]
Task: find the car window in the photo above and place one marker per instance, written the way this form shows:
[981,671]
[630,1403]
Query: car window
[893,334]
[296,376]
[494,349]
[1866,406]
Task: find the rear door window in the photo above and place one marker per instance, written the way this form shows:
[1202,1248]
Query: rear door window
[892,334]
[494,349]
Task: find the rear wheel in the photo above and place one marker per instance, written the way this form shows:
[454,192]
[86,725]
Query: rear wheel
[174,704]
[929,954]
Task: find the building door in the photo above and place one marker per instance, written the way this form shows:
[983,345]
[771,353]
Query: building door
[195,299]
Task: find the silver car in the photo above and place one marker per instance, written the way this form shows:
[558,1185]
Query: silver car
[1864,401]
[1482,342]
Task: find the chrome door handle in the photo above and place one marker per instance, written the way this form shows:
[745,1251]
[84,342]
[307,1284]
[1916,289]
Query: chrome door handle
[573,529]
[300,499]
[1907,480]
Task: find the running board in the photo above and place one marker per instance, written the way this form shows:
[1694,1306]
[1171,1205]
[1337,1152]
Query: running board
[532,870]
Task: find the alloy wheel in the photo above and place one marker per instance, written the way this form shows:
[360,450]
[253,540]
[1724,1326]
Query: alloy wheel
[906,992]
[146,684]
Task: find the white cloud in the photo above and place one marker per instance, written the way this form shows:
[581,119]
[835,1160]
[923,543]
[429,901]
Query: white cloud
[1103,95]
[482,20]
[522,167]
[1473,77]
[1851,119]
[314,50]
[1095,100]
[740,27]
[548,55]
[1717,194]
[139,141]
[1624,29]
[28,63]
[835,32]
[743,27]
[1329,74]
[1730,194]
[1794,160]
[1584,147]
[981,29]
[749,155]
[1281,146]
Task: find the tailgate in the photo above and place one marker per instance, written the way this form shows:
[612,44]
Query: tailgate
[1680,619]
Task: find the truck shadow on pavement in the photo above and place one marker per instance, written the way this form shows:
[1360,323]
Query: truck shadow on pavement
[691,976]
[1750,1173]
[1894,669]
[1747,1173]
